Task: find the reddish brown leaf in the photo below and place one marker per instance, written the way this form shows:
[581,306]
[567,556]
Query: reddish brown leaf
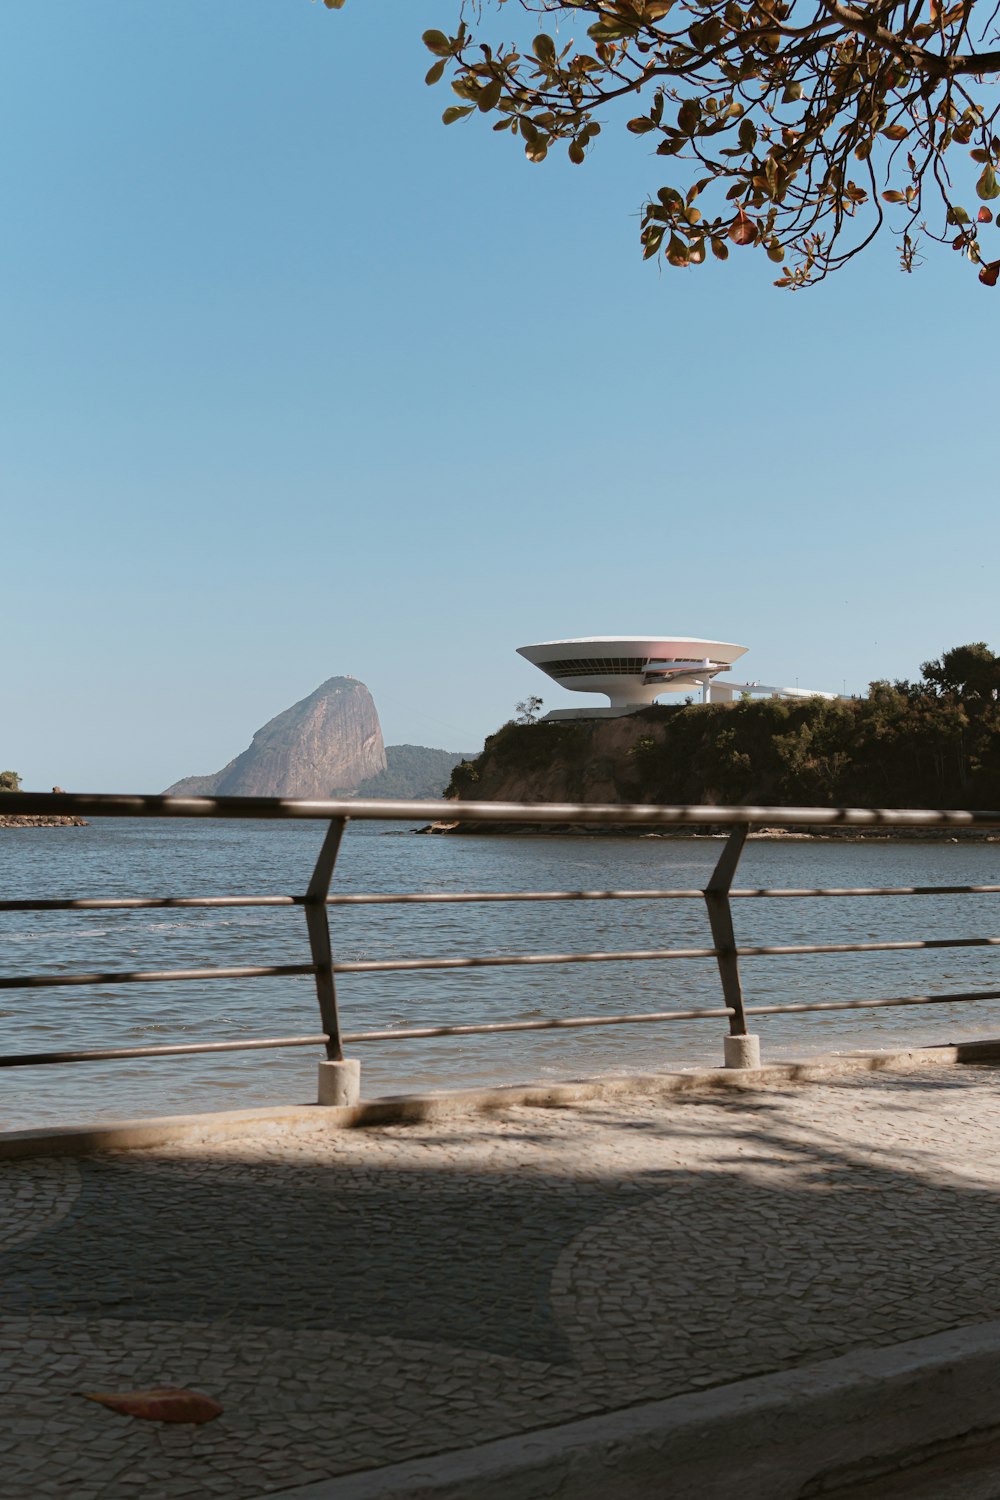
[988,275]
[743,230]
[167,1403]
[984,216]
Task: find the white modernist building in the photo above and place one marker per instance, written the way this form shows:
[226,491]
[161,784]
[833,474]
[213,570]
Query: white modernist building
[633,671]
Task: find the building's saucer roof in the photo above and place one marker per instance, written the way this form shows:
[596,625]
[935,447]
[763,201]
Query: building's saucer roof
[640,649]
[617,640]
[632,669]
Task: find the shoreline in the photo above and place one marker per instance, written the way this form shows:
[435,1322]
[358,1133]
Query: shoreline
[766,834]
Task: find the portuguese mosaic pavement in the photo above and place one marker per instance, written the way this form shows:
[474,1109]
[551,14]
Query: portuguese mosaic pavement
[357,1298]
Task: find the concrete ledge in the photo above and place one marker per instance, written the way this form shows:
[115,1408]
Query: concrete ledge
[404,1109]
[800,1433]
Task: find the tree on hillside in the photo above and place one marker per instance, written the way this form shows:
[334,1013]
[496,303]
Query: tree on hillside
[967,671]
[10,781]
[801,127]
[527,709]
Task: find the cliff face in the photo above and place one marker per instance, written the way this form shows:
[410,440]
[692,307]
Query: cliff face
[587,760]
[328,743]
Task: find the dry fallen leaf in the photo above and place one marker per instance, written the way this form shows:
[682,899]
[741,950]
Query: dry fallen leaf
[166,1403]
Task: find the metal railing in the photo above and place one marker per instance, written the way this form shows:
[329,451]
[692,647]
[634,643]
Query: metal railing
[718,895]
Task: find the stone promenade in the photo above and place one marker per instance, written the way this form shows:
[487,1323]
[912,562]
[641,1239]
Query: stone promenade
[355,1298]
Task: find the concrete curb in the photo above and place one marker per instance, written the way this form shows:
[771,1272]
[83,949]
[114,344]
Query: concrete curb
[787,1436]
[408,1109]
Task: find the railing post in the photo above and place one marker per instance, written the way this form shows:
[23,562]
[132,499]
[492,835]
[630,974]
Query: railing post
[339,1077]
[741,1049]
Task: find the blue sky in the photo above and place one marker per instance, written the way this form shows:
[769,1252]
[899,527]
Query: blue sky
[297,382]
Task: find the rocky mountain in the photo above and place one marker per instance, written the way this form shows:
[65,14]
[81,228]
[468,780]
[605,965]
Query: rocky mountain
[329,743]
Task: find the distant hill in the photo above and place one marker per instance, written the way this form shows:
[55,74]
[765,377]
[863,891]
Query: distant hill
[326,744]
[413,772]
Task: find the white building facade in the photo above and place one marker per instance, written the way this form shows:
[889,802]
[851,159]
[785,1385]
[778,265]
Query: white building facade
[633,671]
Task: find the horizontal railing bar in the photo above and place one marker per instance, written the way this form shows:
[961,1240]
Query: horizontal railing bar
[447,897]
[140,903]
[68,804]
[480,961]
[640,955]
[806,1005]
[30,981]
[899,946]
[151,976]
[39,1059]
[403,1033]
[567,1023]
[443,897]
[515,960]
[872,890]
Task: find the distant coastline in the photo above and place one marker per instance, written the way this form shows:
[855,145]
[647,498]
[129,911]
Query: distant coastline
[10,781]
[43,822]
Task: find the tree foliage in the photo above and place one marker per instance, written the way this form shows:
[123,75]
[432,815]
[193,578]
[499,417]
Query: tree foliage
[969,672]
[801,127]
[527,709]
[10,781]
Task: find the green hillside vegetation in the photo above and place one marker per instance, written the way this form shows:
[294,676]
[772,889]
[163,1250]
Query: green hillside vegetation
[10,781]
[412,772]
[930,743]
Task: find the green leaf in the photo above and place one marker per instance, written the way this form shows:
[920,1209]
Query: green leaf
[544,49]
[640,126]
[652,240]
[792,92]
[489,97]
[434,73]
[456,112]
[437,42]
[748,135]
[987,186]
[609,31]
[576,153]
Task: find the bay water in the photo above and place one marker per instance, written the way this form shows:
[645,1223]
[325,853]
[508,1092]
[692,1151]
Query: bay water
[125,857]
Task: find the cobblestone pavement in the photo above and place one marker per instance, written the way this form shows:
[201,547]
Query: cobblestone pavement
[361,1297]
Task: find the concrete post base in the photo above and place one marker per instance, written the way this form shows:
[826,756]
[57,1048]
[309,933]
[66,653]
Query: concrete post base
[742,1051]
[339,1082]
